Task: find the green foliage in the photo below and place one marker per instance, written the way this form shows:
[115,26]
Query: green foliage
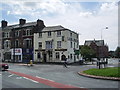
[117,52]
[87,52]
[106,72]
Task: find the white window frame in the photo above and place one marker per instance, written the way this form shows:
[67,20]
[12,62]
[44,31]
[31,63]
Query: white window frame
[57,55]
[58,33]
[59,44]
[49,34]
[40,35]
[40,44]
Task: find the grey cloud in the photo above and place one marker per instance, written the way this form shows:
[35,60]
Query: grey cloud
[30,4]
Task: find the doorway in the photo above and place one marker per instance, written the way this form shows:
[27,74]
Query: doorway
[44,57]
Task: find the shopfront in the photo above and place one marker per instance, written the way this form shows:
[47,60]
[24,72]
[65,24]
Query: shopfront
[27,55]
[17,52]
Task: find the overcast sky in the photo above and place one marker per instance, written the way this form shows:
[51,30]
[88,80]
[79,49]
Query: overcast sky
[86,18]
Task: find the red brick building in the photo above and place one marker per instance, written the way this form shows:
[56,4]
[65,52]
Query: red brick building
[17,40]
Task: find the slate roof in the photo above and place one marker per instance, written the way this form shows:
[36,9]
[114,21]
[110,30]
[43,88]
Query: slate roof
[20,26]
[53,28]
[97,42]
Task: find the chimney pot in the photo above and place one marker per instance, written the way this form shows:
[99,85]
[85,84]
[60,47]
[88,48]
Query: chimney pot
[22,21]
[4,23]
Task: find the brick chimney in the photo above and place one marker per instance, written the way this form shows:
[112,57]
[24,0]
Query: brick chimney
[40,23]
[4,23]
[22,21]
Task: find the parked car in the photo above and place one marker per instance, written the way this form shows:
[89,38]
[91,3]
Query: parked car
[4,66]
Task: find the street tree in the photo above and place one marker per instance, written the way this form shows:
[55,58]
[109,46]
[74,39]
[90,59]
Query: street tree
[87,52]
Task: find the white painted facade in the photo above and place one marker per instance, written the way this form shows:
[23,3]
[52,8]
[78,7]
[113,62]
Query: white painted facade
[53,42]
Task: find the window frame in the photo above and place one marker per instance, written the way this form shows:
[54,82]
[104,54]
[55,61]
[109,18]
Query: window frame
[58,33]
[59,44]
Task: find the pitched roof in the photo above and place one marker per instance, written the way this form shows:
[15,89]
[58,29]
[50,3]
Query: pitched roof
[53,28]
[20,26]
[97,42]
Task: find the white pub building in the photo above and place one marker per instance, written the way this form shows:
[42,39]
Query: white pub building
[54,41]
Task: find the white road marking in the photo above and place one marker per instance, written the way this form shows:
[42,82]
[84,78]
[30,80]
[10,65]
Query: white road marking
[45,78]
[11,75]
[18,77]
[31,80]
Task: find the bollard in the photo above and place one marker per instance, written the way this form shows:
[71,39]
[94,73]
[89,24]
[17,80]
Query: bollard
[31,63]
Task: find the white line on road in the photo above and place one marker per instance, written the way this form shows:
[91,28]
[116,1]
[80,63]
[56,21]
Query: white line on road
[31,80]
[18,77]
[11,75]
[45,78]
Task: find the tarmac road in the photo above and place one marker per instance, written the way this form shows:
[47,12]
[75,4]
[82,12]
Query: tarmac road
[56,73]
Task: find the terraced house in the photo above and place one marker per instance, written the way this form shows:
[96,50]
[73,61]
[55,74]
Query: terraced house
[34,41]
[17,40]
[54,41]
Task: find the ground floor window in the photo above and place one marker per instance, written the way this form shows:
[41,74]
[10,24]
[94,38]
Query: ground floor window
[17,57]
[7,56]
[50,53]
[57,55]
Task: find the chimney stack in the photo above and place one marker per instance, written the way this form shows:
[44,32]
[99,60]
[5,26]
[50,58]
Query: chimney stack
[22,21]
[40,23]
[4,23]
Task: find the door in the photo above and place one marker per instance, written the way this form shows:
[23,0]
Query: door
[44,57]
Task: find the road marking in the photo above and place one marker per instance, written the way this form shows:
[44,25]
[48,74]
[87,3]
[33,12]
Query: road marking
[18,77]
[45,78]
[11,75]
[31,80]
[44,81]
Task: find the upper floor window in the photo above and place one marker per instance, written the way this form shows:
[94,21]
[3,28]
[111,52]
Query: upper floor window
[71,44]
[16,43]
[71,34]
[58,44]
[49,44]
[58,33]
[40,35]
[6,34]
[40,45]
[27,32]
[77,44]
[74,44]
[77,36]
[16,33]
[28,43]
[63,38]
[49,34]
[6,43]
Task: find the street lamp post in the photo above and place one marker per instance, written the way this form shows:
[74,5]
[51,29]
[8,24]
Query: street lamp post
[101,31]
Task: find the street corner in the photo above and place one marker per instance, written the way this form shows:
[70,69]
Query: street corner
[98,77]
